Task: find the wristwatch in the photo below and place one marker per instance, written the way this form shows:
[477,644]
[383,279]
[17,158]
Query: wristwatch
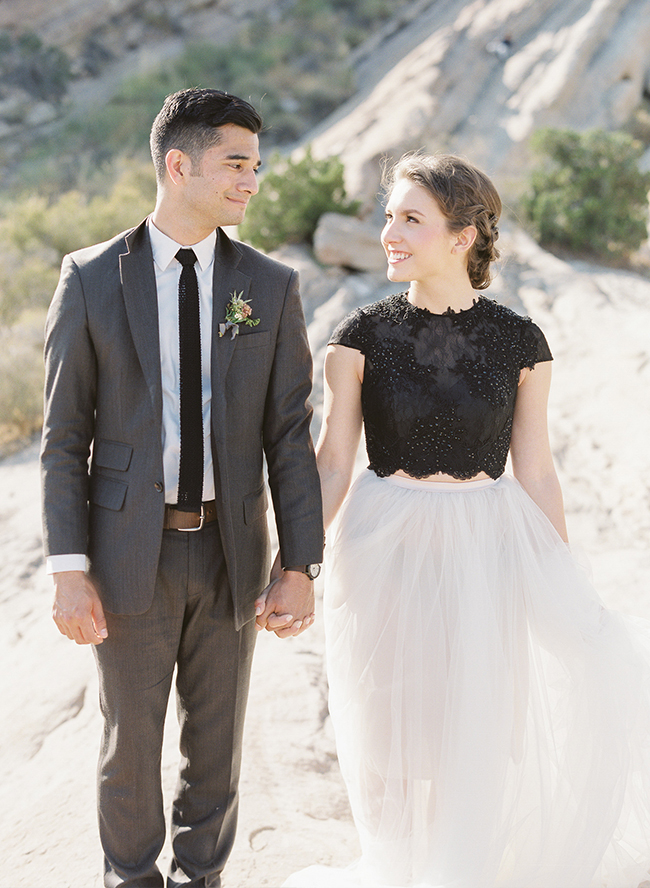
[312,570]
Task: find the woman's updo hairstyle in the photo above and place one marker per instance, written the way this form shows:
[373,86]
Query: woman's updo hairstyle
[465,195]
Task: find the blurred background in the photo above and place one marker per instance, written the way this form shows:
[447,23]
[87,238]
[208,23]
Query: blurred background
[81,80]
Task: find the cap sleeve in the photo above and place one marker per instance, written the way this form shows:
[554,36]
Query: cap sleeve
[351,332]
[534,347]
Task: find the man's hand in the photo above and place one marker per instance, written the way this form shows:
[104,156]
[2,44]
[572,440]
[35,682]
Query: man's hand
[77,610]
[286,606]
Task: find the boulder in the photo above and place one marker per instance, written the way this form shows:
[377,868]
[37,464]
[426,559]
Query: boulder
[317,284]
[349,242]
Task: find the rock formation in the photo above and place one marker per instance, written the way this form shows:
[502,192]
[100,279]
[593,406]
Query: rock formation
[348,242]
[478,78]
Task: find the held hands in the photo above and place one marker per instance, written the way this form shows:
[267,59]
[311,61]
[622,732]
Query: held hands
[286,606]
[77,610]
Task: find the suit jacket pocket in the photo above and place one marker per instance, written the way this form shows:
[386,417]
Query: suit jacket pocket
[255,505]
[251,340]
[112,454]
[107,492]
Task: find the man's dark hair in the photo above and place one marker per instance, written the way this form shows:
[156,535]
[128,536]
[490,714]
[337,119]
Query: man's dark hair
[189,120]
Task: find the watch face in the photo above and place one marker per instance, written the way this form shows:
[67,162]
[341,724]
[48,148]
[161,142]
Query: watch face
[313,570]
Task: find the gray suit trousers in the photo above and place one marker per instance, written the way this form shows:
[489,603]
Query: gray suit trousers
[190,626]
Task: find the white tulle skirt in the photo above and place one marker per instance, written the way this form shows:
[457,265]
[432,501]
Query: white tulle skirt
[492,719]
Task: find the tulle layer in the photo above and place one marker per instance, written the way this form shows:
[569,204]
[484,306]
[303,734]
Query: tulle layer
[492,719]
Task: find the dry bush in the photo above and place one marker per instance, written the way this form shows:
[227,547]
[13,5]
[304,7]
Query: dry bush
[21,382]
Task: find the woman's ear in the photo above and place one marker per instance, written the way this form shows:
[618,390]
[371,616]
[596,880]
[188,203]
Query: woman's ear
[465,239]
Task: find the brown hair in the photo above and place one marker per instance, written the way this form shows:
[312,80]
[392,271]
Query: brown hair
[465,195]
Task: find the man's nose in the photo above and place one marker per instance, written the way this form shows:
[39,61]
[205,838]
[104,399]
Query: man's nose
[249,183]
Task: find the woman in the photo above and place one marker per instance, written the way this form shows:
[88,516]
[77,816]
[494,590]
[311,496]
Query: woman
[492,718]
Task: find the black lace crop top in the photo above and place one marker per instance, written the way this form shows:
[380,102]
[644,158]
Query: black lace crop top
[439,391]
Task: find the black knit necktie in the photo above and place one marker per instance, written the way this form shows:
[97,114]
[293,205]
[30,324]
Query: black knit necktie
[190,477]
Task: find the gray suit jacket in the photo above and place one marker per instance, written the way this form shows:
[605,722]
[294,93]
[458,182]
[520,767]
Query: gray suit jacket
[102,465]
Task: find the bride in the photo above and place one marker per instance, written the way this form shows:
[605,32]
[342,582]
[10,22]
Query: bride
[492,718]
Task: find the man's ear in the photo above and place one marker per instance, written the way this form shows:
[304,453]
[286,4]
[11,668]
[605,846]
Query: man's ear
[178,165]
[465,239]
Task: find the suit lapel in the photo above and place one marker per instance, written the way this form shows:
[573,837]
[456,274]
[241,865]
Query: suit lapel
[227,281]
[139,289]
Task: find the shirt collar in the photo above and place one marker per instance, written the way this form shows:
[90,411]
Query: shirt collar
[164,248]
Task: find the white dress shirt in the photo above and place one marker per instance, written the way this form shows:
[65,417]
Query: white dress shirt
[167,270]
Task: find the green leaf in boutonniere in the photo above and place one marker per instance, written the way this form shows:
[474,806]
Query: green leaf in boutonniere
[238,311]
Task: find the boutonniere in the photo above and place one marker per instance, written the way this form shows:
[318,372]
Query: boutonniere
[238,311]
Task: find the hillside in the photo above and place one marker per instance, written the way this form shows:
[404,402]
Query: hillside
[477,77]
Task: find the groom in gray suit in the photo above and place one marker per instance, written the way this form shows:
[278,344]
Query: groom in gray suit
[161,566]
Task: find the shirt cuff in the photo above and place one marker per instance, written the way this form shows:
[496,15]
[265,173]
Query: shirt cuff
[59,563]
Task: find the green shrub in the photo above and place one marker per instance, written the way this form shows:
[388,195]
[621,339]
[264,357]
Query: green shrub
[293,196]
[25,281]
[25,61]
[21,381]
[37,232]
[75,219]
[588,193]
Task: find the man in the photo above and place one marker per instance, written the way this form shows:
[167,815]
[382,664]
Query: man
[170,377]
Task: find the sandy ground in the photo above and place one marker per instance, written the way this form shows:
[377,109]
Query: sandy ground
[293,806]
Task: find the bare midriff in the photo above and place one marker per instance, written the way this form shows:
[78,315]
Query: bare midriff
[441,477]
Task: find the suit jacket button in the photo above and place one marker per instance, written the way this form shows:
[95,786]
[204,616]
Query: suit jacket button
[159,487]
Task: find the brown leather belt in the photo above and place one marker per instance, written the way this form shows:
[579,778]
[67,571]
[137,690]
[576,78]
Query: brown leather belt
[177,520]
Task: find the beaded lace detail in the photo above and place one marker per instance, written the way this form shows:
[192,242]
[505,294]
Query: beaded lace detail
[439,390]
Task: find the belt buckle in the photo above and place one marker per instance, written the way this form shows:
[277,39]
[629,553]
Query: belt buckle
[200,525]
